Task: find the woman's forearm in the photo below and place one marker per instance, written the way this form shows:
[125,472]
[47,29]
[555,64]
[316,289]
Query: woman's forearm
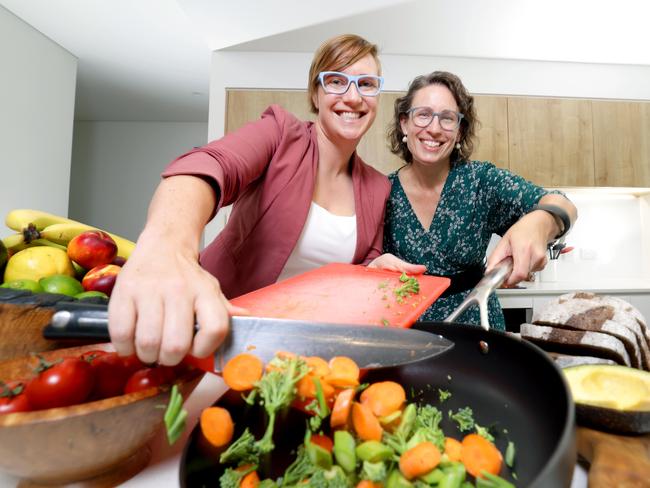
[179,211]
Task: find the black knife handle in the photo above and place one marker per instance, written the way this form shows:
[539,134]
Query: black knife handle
[78,321]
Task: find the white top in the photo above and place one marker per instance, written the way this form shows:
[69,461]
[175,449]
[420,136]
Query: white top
[326,238]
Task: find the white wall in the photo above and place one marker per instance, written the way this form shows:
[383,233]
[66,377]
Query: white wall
[37,90]
[116,167]
[234,69]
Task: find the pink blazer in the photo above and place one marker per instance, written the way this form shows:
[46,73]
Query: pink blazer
[268,170]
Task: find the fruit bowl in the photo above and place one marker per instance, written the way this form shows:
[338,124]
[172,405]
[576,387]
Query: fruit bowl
[100,443]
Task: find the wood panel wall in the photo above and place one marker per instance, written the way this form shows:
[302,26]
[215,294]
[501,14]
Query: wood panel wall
[552,142]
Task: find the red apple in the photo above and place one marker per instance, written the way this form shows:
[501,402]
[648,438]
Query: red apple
[101,278]
[92,248]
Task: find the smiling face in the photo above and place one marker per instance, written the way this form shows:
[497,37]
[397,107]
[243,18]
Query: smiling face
[347,117]
[431,145]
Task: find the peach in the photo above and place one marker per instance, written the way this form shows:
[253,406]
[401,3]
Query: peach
[101,278]
[92,248]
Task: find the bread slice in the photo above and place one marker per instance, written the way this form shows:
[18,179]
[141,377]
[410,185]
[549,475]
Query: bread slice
[576,342]
[604,314]
[565,361]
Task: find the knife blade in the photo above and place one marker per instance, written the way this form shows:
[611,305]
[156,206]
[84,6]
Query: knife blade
[369,346]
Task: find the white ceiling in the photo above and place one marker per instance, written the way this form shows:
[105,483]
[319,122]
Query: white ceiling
[150,59]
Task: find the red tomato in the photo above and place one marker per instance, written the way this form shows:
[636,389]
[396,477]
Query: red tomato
[132,363]
[90,355]
[12,398]
[144,379]
[68,382]
[111,375]
[322,441]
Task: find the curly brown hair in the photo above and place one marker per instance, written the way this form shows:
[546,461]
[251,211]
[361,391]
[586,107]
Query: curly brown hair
[469,122]
[336,54]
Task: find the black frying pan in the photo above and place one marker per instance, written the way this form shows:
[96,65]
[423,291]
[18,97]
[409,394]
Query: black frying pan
[515,386]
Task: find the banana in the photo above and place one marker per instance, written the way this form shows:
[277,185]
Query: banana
[53,228]
[19,219]
[14,241]
[63,233]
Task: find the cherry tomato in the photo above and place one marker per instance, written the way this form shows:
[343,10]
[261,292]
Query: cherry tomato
[143,379]
[12,398]
[132,363]
[111,375]
[90,355]
[64,383]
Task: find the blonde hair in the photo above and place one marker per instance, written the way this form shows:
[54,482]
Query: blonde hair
[336,54]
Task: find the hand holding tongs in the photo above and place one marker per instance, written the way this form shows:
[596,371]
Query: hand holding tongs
[481,292]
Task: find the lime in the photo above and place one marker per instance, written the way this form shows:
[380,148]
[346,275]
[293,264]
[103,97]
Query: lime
[30,285]
[91,294]
[64,284]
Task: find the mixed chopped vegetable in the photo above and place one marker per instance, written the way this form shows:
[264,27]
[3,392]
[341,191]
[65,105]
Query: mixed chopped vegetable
[356,435]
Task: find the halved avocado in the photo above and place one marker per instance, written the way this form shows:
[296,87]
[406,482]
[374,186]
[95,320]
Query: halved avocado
[611,397]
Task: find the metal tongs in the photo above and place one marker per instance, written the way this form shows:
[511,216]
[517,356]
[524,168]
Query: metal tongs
[481,292]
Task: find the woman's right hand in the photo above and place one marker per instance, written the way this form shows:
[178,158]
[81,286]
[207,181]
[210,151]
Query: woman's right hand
[162,291]
[159,294]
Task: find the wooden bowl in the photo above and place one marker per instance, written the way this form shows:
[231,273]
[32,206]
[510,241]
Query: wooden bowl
[101,443]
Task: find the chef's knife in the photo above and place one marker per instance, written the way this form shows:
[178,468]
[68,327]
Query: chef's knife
[368,346]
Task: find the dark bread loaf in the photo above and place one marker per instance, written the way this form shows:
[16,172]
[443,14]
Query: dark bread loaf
[581,311]
[564,361]
[576,342]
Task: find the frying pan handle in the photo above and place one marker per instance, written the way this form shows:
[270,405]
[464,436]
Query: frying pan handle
[482,291]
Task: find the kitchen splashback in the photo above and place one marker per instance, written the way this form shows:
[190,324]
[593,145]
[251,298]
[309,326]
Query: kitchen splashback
[611,238]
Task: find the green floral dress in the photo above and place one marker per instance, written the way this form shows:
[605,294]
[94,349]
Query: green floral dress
[478,199]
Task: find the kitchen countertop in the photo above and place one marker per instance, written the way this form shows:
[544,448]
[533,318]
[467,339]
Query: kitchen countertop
[163,469]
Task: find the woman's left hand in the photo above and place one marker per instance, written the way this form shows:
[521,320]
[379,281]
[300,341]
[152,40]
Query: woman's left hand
[393,263]
[526,242]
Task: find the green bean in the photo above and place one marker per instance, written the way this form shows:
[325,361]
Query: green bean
[510,454]
[407,422]
[344,451]
[373,451]
[497,481]
[396,480]
[173,407]
[177,427]
[432,477]
[451,479]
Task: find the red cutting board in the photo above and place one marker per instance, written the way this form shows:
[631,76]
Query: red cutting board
[344,293]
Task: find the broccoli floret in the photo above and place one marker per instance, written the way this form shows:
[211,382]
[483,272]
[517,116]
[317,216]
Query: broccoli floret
[331,478]
[483,432]
[242,451]
[410,286]
[464,417]
[277,389]
[267,483]
[301,468]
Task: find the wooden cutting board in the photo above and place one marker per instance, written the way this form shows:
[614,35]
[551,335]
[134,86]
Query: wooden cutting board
[615,460]
[344,293]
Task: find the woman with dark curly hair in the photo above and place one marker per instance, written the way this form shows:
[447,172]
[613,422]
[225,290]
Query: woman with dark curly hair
[443,207]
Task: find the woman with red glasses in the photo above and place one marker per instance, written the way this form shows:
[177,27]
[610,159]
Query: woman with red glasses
[302,198]
[444,207]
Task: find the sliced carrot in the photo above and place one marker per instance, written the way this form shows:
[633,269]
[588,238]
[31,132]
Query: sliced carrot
[369,484]
[365,423]
[419,460]
[452,448]
[322,441]
[478,454]
[384,397]
[251,480]
[217,426]
[341,409]
[306,387]
[242,371]
[344,372]
[318,366]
